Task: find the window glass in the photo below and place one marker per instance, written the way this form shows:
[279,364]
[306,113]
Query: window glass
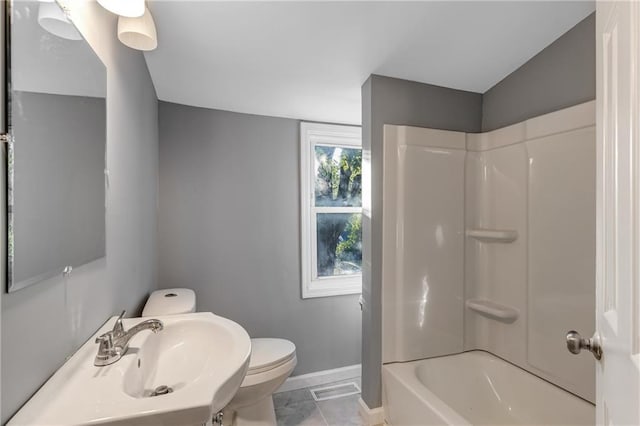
[338,176]
[339,240]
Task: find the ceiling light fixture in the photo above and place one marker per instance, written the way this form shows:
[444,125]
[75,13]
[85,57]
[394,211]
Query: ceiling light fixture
[138,33]
[54,20]
[128,8]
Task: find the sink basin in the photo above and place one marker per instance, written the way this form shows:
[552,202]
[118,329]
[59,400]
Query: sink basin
[180,376]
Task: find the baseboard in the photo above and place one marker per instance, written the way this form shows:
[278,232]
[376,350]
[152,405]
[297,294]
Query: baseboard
[370,416]
[321,378]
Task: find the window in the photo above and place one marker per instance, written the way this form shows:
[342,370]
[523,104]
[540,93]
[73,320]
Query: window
[331,194]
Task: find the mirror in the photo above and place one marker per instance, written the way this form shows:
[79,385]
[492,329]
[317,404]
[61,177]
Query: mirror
[56,149]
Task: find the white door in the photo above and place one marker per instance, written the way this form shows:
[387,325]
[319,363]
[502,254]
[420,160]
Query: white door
[618,216]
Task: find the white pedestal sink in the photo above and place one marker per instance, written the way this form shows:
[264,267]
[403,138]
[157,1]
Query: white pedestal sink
[202,357]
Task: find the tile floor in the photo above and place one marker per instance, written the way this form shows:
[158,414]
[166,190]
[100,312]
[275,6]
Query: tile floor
[297,408]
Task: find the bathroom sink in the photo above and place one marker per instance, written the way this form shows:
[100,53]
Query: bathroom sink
[179,376]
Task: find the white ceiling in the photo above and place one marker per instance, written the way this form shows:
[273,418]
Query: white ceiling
[308,60]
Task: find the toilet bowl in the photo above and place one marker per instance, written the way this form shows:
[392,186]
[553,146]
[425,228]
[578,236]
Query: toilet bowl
[272,361]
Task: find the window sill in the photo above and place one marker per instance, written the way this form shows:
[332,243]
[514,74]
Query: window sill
[327,288]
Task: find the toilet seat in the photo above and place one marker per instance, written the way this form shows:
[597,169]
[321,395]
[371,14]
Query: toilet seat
[269,354]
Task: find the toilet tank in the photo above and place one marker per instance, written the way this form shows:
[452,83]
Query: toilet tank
[171,301]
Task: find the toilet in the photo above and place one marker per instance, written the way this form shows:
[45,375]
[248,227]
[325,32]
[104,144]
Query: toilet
[272,361]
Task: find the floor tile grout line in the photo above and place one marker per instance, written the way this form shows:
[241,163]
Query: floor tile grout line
[316,404]
[322,412]
[326,422]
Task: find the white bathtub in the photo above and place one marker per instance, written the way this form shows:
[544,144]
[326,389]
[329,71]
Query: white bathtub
[476,388]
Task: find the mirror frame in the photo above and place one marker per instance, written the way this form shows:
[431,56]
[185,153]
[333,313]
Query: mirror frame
[5,99]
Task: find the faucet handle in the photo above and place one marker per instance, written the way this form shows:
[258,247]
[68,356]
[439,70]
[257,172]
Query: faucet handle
[107,353]
[105,340]
[118,328]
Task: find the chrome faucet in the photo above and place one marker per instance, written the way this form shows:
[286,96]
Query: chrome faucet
[114,343]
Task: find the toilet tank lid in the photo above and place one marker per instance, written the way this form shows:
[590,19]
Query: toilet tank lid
[171,301]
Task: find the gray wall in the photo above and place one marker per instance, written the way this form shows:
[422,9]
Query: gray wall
[58,182]
[391,101]
[230,230]
[561,75]
[44,323]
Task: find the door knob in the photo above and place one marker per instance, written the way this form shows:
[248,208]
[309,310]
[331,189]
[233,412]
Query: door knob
[576,343]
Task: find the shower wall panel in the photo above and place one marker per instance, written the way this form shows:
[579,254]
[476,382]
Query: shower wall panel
[497,271]
[561,282]
[423,275]
[536,178]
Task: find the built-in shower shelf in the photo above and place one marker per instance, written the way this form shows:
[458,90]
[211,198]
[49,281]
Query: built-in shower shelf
[493,235]
[493,310]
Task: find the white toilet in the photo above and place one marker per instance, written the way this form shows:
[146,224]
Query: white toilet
[272,361]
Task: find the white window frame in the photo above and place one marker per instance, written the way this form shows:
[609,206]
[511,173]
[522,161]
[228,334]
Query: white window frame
[312,134]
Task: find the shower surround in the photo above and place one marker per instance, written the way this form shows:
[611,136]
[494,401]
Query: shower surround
[489,244]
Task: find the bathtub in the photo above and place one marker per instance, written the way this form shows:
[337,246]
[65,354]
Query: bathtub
[475,388]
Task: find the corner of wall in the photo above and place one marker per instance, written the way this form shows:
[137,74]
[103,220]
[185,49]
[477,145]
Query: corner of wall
[388,100]
[563,74]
